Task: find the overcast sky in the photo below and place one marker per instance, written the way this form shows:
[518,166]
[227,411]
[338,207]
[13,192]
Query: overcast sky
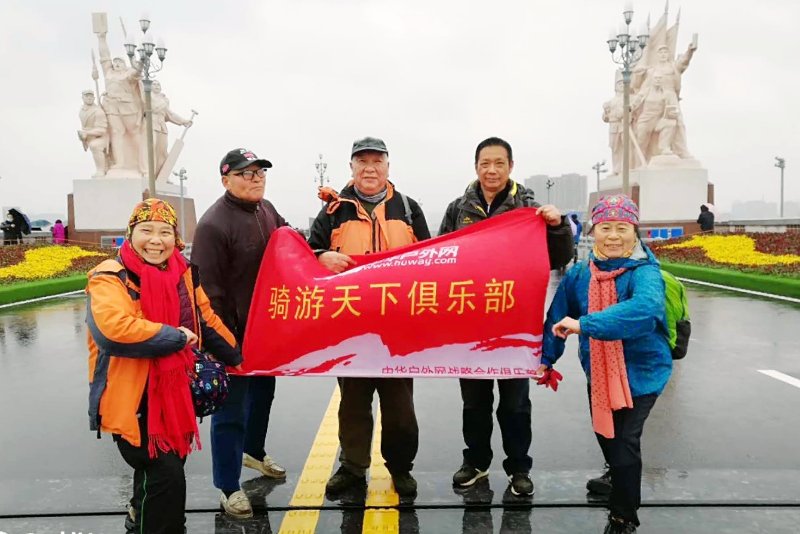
[296,78]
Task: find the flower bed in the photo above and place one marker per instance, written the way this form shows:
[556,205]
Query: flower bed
[25,263]
[773,254]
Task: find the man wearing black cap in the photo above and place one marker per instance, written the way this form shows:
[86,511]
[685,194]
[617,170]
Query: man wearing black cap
[369,216]
[228,244]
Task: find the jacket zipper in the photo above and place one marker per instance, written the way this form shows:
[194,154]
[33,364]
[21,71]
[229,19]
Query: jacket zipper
[374,231]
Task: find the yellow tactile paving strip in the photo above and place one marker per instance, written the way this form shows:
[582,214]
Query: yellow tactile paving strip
[310,490]
[380,492]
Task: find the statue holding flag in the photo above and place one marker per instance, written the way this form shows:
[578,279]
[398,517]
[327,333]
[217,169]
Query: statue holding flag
[660,141]
[122,102]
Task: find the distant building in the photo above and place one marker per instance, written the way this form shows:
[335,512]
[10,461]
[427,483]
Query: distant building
[753,209]
[568,192]
[759,209]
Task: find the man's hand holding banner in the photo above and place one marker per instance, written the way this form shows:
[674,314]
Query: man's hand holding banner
[468,305]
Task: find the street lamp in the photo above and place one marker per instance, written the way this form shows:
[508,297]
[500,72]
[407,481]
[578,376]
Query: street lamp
[781,164]
[148,69]
[600,166]
[626,49]
[321,178]
[181,177]
[549,183]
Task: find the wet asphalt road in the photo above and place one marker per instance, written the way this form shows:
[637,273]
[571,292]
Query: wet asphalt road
[723,439]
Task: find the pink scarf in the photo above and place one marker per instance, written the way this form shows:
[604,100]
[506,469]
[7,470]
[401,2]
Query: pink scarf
[609,377]
[171,424]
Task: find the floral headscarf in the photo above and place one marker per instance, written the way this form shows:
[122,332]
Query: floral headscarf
[154,209]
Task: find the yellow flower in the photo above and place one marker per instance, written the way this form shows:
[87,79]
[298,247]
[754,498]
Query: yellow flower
[45,262]
[734,249]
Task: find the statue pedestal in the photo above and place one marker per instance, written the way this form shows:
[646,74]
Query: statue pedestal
[98,209]
[667,196]
[670,194]
[104,204]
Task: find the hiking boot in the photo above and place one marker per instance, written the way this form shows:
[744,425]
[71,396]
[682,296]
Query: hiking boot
[467,476]
[600,485]
[344,479]
[404,484]
[237,505]
[521,484]
[267,467]
[616,525]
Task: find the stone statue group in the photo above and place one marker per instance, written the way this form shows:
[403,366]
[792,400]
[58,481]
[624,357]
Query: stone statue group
[658,132]
[114,130]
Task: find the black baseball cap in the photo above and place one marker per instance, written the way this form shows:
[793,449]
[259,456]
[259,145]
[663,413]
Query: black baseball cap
[239,158]
[368,143]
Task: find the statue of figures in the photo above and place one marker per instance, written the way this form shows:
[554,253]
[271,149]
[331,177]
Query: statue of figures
[122,103]
[94,132]
[612,114]
[670,72]
[161,115]
[656,117]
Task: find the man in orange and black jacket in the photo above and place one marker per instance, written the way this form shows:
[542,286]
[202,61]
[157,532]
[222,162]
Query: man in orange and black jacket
[369,216]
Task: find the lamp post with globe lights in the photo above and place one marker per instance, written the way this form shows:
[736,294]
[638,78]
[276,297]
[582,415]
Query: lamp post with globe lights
[148,68]
[626,49]
[321,167]
[599,167]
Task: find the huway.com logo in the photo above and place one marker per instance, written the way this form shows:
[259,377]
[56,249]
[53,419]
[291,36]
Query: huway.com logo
[422,257]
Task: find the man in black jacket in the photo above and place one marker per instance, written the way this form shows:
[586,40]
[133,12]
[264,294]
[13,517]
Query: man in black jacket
[229,242]
[491,194]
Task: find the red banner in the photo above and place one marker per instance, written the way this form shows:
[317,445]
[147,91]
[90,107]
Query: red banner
[468,304]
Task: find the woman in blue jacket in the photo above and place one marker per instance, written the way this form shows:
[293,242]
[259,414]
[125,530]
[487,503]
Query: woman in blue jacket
[614,302]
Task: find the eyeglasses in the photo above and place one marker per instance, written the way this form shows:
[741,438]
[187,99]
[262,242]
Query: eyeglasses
[251,175]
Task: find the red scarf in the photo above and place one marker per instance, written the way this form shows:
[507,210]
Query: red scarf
[609,377]
[171,424]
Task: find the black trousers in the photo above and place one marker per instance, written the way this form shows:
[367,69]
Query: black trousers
[623,454]
[399,430]
[159,486]
[513,415]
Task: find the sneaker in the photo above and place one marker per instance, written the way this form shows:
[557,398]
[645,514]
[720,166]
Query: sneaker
[131,527]
[616,525]
[343,479]
[267,467]
[237,505]
[467,476]
[521,484]
[404,484]
[600,485]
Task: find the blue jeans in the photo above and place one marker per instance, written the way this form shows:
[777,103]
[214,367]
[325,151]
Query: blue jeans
[240,426]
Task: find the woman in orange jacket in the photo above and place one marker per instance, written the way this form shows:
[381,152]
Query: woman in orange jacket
[145,312]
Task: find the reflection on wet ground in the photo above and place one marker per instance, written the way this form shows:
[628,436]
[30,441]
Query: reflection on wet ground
[722,434]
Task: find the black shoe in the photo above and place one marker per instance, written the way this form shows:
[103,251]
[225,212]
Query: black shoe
[343,480]
[600,485]
[404,484]
[619,526]
[467,476]
[521,484]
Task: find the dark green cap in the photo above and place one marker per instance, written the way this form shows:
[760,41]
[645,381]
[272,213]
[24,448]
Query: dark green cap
[368,143]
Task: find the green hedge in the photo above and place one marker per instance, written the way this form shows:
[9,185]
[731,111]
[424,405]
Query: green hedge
[42,288]
[775,285]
